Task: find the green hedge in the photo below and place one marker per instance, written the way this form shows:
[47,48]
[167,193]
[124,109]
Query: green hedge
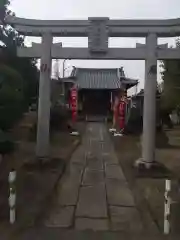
[7,145]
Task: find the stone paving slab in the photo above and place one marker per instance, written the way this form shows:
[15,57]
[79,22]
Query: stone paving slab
[79,157]
[60,217]
[106,146]
[92,202]
[75,171]
[68,191]
[58,234]
[125,219]
[81,161]
[92,177]
[94,163]
[108,158]
[91,224]
[118,193]
[94,139]
[115,172]
[95,151]
[69,194]
[95,145]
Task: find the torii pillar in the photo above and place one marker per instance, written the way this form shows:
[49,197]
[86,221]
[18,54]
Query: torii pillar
[149,115]
[149,111]
[44,103]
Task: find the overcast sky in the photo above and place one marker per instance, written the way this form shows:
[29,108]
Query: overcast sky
[116,9]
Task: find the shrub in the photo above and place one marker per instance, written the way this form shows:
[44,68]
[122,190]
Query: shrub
[33,133]
[58,117]
[135,121]
[7,145]
[58,120]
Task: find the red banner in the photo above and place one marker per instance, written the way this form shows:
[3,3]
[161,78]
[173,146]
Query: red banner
[73,103]
[122,113]
[115,111]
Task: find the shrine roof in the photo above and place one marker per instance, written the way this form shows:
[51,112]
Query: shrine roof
[101,78]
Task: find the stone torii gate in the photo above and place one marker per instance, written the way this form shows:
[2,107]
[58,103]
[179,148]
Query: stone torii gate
[98,30]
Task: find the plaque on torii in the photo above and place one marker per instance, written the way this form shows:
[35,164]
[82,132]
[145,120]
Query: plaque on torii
[98,35]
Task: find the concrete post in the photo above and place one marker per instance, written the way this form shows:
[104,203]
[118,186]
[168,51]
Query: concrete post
[12,196]
[42,147]
[167,206]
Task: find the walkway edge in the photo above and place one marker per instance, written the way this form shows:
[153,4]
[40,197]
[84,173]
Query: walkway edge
[145,215]
[19,229]
[49,196]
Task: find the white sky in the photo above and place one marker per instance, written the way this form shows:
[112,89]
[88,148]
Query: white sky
[116,9]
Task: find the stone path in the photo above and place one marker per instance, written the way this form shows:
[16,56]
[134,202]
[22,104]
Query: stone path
[93,193]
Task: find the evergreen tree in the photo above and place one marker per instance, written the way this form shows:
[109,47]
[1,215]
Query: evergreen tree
[170,98]
[18,76]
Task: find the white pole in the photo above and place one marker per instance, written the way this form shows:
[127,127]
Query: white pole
[12,196]
[167,205]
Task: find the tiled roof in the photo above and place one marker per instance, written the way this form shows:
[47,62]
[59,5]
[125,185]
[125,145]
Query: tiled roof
[92,78]
[141,94]
[129,82]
